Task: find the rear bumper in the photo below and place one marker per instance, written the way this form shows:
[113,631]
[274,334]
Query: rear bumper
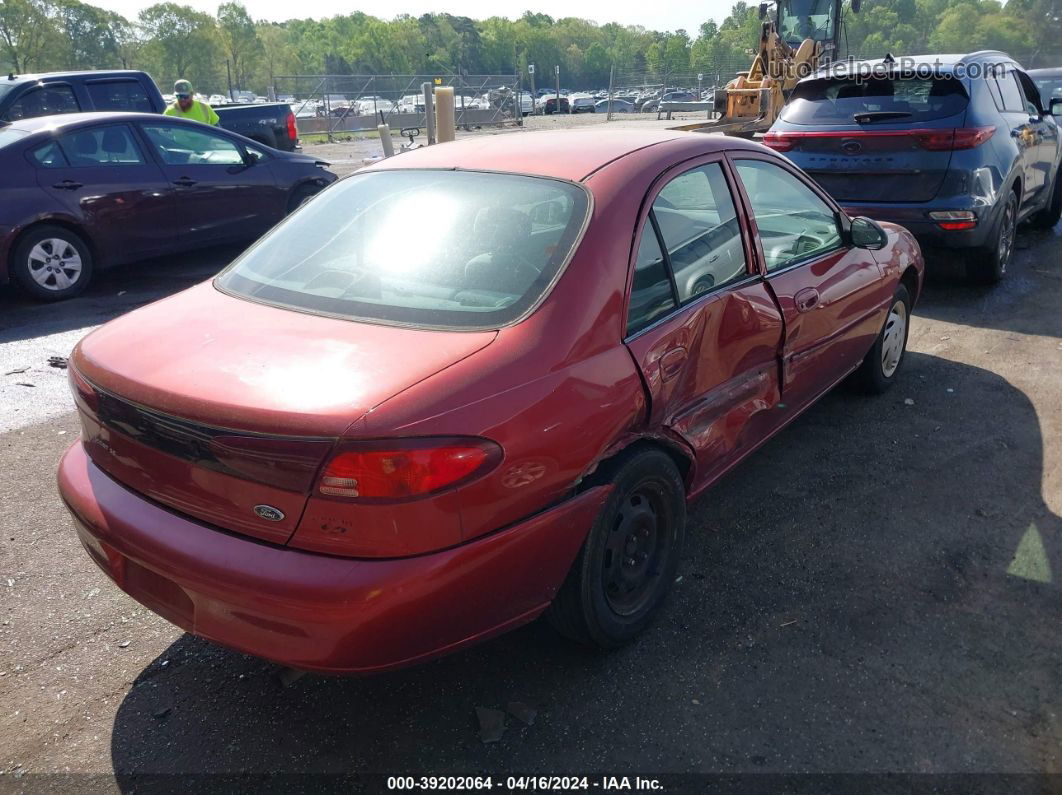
[319,612]
[915,218]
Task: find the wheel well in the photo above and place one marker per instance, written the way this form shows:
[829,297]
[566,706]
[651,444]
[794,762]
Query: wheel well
[909,279]
[607,467]
[51,222]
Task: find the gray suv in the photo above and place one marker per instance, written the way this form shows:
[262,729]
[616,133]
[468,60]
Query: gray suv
[957,148]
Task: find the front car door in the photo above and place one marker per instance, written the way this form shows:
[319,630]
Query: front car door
[1046,130]
[222,194]
[832,295]
[104,179]
[46,99]
[701,323]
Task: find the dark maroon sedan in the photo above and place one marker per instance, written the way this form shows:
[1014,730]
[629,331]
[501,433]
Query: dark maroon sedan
[348,454]
[89,190]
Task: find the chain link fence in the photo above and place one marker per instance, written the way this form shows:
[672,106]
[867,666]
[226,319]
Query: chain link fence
[330,104]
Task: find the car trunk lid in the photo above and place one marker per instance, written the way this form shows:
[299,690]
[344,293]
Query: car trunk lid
[886,138]
[230,411]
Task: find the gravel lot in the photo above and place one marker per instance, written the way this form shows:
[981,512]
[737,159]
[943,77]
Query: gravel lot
[876,590]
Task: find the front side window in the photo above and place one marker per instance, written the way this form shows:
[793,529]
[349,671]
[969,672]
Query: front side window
[441,249]
[125,95]
[794,223]
[180,145]
[43,101]
[101,146]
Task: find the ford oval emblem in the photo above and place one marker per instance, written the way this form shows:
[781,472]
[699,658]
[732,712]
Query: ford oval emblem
[851,147]
[269,513]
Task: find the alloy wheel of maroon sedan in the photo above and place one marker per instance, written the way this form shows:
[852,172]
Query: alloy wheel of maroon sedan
[470,385]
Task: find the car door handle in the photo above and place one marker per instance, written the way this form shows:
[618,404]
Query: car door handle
[67,184]
[672,362]
[184,182]
[807,299]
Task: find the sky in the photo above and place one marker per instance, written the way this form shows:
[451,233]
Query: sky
[663,15]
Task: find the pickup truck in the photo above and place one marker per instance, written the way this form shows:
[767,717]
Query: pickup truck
[25,96]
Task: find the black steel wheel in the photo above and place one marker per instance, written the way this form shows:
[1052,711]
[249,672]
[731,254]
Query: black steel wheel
[627,564]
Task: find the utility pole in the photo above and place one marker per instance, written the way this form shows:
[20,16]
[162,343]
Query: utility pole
[556,74]
[531,71]
[228,71]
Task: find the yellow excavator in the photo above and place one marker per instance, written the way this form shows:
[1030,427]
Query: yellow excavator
[795,40]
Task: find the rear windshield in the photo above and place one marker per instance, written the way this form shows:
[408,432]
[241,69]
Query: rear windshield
[1050,88]
[869,100]
[441,249]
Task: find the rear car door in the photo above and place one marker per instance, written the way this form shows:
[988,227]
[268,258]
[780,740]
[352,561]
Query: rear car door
[105,180]
[1046,131]
[222,194]
[701,323]
[832,296]
[1024,129]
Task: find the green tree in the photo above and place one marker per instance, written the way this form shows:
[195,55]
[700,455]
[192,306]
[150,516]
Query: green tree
[27,28]
[182,43]
[239,38]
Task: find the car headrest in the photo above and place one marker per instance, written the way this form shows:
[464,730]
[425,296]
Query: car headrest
[114,141]
[501,227]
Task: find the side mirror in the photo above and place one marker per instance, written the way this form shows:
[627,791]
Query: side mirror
[1054,107]
[855,6]
[865,233]
[763,10]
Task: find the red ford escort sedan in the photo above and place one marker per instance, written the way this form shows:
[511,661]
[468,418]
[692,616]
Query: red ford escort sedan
[470,385]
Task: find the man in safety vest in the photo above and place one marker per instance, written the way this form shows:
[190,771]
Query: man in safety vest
[187,107]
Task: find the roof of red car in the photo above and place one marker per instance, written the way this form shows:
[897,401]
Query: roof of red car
[565,154]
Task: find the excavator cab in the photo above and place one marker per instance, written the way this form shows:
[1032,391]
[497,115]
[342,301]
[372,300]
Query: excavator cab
[795,40]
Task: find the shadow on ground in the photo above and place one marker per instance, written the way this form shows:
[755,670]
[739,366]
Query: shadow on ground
[874,590]
[113,292]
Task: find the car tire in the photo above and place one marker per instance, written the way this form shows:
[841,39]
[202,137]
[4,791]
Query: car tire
[627,564]
[1052,213]
[52,263]
[989,265]
[881,365]
[301,195]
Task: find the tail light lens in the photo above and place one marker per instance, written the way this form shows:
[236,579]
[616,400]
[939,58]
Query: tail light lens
[293,131]
[405,469]
[931,140]
[83,391]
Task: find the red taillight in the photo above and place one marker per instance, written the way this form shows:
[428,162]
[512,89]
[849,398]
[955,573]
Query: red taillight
[930,140]
[781,142]
[389,470]
[83,391]
[293,131]
[956,226]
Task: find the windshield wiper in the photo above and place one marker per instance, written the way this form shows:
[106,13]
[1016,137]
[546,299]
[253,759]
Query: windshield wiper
[880,115]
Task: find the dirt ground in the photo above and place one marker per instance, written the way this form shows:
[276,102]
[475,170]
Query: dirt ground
[876,590]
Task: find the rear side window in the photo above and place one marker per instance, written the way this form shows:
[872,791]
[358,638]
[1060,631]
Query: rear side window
[1013,100]
[10,136]
[101,146]
[699,227]
[49,156]
[1050,88]
[442,249]
[43,101]
[651,293]
[125,95]
[863,100]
